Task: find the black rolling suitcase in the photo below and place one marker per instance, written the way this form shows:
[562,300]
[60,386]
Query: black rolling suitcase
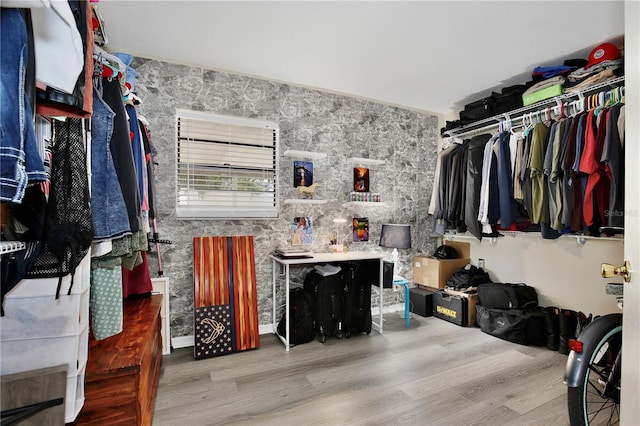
[328,303]
[357,284]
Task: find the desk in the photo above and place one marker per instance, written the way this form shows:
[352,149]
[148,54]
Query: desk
[319,258]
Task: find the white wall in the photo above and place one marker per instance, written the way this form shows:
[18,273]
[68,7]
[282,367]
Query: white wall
[564,273]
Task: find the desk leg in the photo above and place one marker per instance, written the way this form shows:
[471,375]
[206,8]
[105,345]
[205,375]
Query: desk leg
[381,301]
[274,321]
[284,339]
[286,307]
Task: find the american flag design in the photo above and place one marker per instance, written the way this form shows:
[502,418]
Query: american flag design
[225,275]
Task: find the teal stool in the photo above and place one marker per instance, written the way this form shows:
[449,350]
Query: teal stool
[403,282]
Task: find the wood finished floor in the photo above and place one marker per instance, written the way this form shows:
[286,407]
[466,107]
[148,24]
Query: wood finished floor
[435,373]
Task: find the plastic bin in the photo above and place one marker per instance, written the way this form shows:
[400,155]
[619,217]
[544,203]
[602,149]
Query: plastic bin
[28,354]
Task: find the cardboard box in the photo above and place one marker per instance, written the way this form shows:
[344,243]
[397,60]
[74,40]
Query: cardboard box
[421,301]
[433,273]
[472,301]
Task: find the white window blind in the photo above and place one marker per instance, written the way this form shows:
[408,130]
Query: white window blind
[226,167]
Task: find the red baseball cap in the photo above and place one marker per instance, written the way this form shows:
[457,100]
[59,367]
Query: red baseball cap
[603,52]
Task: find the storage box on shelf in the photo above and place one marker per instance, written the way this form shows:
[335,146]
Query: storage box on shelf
[433,273]
[542,94]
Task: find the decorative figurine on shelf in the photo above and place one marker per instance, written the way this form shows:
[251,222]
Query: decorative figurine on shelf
[307,191]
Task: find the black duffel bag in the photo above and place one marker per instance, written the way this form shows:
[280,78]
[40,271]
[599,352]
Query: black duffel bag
[507,296]
[476,110]
[522,326]
[468,276]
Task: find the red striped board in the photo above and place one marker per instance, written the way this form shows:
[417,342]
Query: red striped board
[224,274]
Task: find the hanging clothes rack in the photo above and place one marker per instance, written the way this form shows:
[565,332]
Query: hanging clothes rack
[517,116]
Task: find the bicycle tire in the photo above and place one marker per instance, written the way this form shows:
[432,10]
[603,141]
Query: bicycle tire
[586,405]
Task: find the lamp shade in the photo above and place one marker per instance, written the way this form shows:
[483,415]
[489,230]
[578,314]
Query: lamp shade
[395,236]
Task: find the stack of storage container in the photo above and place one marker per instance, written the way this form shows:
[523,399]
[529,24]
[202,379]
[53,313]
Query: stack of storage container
[40,331]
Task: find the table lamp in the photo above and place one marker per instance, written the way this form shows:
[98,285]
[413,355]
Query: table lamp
[395,236]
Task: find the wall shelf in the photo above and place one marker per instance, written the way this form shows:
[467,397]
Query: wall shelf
[580,238]
[303,201]
[517,114]
[365,203]
[305,154]
[365,161]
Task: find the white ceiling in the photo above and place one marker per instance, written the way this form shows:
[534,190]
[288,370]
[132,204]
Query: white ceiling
[427,55]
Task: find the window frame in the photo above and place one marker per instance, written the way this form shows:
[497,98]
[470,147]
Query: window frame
[193,201]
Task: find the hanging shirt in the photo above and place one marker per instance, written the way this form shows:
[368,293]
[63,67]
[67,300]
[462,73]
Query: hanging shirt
[58,46]
[567,159]
[483,206]
[552,141]
[525,174]
[555,174]
[436,181]
[539,193]
[518,195]
[508,206]
[456,185]
[597,190]
[577,221]
[613,159]
[475,156]
[560,173]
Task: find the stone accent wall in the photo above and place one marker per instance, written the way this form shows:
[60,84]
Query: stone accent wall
[310,120]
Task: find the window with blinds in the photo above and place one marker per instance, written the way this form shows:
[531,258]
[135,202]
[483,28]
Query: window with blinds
[226,167]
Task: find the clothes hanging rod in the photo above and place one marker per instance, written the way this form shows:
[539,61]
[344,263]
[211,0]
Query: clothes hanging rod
[491,122]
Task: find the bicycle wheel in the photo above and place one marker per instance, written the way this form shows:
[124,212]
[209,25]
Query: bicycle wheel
[597,400]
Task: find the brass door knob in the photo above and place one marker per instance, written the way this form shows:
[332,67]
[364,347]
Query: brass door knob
[607,270]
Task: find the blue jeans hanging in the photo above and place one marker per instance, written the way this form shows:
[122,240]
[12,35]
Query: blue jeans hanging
[20,161]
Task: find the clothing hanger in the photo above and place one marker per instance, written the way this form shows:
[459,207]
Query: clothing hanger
[560,109]
[117,66]
[509,123]
[572,108]
[109,71]
[530,125]
[594,102]
[580,103]
[614,96]
[106,69]
[602,104]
